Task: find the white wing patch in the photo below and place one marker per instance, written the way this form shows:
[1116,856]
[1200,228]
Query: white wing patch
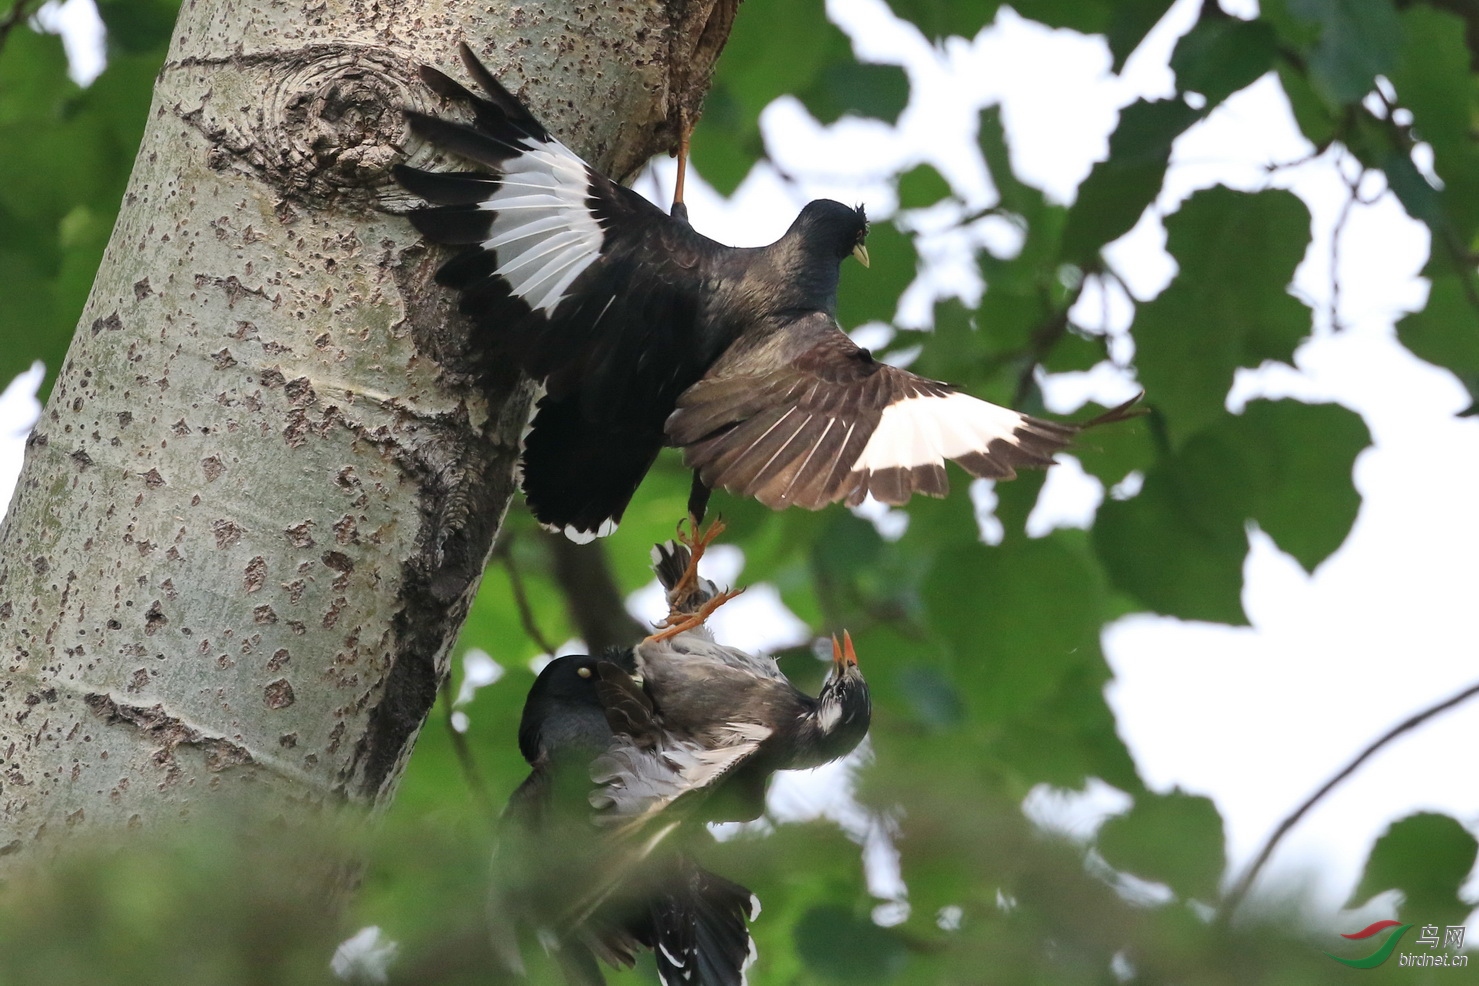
[544,234]
[918,431]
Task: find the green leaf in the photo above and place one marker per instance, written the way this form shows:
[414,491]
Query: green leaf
[966,348]
[779,47]
[1219,56]
[1412,188]
[138,26]
[1120,187]
[67,160]
[1129,22]
[776,48]
[857,88]
[1228,307]
[922,186]
[1428,857]
[1316,120]
[1347,42]
[1175,839]
[1076,351]
[1013,643]
[935,702]
[1112,452]
[1445,331]
[939,19]
[1179,546]
[840,947]
[1302,456]
[1016,195]
[1433,80]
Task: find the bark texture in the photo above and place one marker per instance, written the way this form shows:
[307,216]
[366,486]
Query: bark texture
[259,500]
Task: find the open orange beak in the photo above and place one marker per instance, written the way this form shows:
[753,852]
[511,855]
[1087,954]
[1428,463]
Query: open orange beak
[843,656]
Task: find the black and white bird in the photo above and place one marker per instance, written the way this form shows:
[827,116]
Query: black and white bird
[639,896]
[646,333]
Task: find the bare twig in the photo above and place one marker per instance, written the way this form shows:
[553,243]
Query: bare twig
[1353,185]
[1240,889]
[13,18]
[469,767]
[591,595]
[504,554]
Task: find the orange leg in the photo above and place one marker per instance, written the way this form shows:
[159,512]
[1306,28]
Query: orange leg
[685,130]
[697,543]
[678,623]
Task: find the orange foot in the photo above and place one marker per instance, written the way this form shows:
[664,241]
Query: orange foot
[677,623]
[697,543]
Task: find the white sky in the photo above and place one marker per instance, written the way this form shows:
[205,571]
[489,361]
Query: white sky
[1255,718]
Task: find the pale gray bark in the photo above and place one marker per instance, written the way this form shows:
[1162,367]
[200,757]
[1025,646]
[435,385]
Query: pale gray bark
[259,500]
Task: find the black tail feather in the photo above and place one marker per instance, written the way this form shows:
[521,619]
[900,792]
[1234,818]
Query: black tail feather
[580,473]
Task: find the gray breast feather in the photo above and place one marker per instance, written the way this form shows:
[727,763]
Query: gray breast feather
[699,655]
[633,781]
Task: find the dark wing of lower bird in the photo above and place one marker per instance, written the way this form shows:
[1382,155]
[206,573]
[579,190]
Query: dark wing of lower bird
[700,934]
[807,417]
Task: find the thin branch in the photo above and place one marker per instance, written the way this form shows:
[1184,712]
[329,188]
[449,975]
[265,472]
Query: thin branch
[1336,233]
[465,761]
[1047,334]
[13,18]
[592,597]
[1240,890]
[521,598]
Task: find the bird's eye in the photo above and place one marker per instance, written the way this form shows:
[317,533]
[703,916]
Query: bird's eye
[583,672]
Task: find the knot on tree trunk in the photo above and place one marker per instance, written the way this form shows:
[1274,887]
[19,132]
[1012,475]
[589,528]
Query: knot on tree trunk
[323,123]
[335,118]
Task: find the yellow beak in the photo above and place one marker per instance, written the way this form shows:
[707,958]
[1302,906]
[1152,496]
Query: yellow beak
[861,252]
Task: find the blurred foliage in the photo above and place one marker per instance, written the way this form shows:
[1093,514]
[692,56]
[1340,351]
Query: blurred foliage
[68,153]
[985,660]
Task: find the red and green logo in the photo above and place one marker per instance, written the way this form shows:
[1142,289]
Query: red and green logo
[1379,956]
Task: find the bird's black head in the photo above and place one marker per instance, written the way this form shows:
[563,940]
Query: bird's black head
[563,712]
[844,708]
[834,229]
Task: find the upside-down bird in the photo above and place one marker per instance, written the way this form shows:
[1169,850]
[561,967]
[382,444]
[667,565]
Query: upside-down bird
[647,333]
[657,739]
[695,922]
[710,718]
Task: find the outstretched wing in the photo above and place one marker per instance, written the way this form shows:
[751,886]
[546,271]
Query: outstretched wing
[573,275]
[807,417]
[583,283]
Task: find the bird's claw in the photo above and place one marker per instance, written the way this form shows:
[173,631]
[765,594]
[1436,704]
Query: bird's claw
[677,623]
[697,541]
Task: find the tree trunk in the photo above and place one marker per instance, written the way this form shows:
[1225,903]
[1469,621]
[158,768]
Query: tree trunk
[258,503]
